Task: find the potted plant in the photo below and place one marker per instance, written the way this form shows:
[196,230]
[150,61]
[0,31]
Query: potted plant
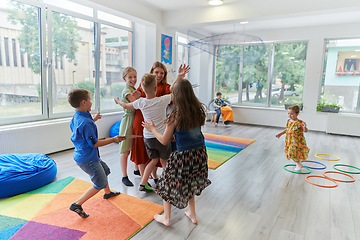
[287,104]
[324,106]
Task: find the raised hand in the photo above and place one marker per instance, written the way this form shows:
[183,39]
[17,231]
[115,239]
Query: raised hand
[97,117]
[117,100]
[183,69]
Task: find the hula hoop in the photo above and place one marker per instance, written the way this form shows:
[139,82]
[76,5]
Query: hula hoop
[345,165]
[318,168]
[353,179]
[287,165]
[327,159]
[306,179]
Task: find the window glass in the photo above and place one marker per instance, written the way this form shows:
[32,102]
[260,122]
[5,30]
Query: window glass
[288,73]
[255,77]
[116,50]
[341,76]
[20,84]
[73,44]
[227,74]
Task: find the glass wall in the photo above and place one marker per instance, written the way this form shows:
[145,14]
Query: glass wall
[20,64]
[47,49]
[116,50]
[274,79]
[288,73]
[341,75]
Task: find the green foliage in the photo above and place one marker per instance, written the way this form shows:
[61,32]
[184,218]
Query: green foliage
[88,86]
[116,89]
[65,37]
[325,101]
[103,91]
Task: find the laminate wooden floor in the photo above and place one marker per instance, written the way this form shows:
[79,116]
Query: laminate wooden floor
[251,196]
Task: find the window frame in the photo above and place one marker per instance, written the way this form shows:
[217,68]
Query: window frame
[45,31]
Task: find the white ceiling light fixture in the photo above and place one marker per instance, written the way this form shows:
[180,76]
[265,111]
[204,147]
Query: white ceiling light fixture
[215,2]
[244,22]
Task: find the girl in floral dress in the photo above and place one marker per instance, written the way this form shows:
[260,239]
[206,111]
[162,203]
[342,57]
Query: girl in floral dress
[295,144]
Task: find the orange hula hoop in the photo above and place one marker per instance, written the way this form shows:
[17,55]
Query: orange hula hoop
[337,180]
[306,179]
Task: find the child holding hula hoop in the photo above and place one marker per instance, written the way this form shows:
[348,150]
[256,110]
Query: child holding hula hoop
[295,144]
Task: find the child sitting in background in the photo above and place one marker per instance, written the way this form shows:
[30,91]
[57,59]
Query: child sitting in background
[84,135]
[222,107]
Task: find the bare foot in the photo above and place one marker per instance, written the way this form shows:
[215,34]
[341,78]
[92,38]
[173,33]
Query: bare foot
[161,219]
[193,219]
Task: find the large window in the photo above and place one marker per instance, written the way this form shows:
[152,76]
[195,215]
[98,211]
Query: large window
[48,48]
[116,48]
[182,51]
[20,87]
[275,76]
[341,75]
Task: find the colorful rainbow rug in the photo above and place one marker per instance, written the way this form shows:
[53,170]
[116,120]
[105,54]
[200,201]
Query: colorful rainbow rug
[222,148]
[44,214]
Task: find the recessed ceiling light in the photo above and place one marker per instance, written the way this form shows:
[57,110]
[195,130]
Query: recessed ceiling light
[292,57]
[357,50]
[285,53]
[353,55]
[244,22]
[296,61]
[215,2]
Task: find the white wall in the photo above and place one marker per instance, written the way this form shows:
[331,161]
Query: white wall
[47,136]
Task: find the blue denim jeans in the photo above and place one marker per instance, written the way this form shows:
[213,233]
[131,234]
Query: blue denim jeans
[218,114]
[98,172]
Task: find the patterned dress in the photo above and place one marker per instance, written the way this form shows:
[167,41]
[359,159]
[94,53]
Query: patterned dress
[185,174]
[295,144]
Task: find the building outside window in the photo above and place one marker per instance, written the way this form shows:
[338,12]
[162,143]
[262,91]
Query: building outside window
[341,75]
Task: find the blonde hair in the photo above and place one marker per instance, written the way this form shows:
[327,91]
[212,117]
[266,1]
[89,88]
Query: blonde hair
[148,82]
[127,70]
[294,108]
[188,111]
[160,65]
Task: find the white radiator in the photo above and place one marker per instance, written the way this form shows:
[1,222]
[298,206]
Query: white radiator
[345,124]
[46,136]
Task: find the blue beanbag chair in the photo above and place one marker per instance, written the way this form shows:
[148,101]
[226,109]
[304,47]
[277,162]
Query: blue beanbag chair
[114,130]
[20,173]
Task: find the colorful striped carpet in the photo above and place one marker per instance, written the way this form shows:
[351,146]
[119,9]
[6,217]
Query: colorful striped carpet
[44,214]
[222,148]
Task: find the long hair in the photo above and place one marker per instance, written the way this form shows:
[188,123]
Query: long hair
[188,111]
[160,65]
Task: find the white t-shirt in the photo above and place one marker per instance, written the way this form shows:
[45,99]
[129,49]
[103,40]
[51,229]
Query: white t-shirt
[153,109]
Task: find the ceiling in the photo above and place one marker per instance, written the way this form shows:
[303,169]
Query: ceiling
[322,17]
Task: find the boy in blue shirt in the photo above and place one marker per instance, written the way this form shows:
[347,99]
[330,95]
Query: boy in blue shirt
[84,136]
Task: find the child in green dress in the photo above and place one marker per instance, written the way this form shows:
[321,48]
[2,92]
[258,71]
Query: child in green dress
[129,94]
[295,144]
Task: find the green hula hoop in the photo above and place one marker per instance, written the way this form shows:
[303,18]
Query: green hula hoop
[345,165]
[287,165]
